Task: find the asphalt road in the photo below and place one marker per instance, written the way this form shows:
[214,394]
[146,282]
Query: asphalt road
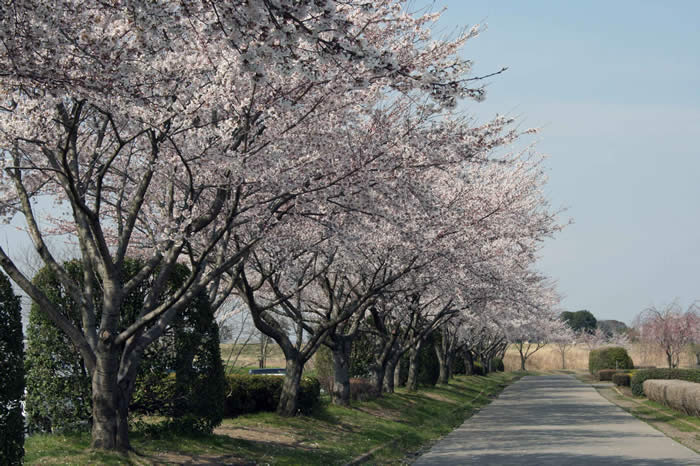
[555,420]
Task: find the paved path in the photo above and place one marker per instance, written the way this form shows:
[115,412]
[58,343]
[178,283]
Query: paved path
[555,420]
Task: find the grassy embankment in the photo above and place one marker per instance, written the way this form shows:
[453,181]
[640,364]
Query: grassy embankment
[390,427]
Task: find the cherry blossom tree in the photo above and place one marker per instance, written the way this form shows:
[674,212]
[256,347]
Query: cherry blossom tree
[184,132]
[564,338]
[670,328]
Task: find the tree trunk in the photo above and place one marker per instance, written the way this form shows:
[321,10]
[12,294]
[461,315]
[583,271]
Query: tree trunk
[397,375]
[522,355]
[340,391]
[412,382]
[450,364]
[378,371]
[470,362]
[443,378]
[389,375]
[563,360]
[290,388]
[110,430]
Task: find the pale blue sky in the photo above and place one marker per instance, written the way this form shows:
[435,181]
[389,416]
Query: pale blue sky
[615,88]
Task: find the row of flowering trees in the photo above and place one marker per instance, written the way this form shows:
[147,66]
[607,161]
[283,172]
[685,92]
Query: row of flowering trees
[303,156]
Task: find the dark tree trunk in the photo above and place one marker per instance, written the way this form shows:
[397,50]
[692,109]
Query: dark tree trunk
[450,364]
[470,362]
[397,374]
[412,382]
[389,375]
[109,407]
[443,378]
[287,405]
[340,391]
[378,371]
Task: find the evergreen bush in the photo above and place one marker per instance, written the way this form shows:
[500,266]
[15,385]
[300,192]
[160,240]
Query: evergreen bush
[460,365]
[256,393]
[609,358]
[621,379]
[478,369]
[606,375]
[428,364]
[11,375]
[362,355]
[323,363]
[497,365]
[180,376]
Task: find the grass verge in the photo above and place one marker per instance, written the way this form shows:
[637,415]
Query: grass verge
[391,427]
[679,426]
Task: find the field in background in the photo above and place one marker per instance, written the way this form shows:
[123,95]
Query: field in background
[548,358]
[250,353]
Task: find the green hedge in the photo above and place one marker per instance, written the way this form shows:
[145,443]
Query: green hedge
[607,374]
[621,379]
[180,376]
[255,393]
[609,358]
[690,375]
[11,376]
[497,365]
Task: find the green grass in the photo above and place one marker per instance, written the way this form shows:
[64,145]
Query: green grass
[396,424]
[676,418]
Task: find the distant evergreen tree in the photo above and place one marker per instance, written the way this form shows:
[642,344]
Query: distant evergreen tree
[11,375]
[580,321]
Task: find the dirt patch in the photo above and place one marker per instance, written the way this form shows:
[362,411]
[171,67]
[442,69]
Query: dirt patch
[438,397]
[254,434]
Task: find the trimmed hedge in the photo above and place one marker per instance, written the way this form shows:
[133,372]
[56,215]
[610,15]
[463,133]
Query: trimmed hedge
[689,375]
[362,389]
[256,393]
[606,374]
[621,379]
[677,394]
[609,358]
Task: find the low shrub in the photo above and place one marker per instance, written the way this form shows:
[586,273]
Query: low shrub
[309,394]
[460,366]
[497,365]
[677,394]
[606,374]
[689,375]
[609,358]
[621,379]
[255,393]
[362,389]
[478,369]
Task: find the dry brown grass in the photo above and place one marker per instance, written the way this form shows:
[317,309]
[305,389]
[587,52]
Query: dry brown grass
[678,394]
[548,358]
